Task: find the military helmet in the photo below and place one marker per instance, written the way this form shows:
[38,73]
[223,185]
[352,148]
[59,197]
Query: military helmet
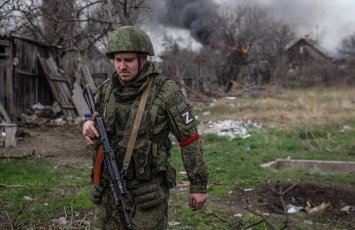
[129,39]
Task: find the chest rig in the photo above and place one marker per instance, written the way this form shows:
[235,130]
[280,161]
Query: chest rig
[119,116]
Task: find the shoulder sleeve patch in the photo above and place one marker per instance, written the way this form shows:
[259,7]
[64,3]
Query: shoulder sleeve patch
[187,117]
[182,106]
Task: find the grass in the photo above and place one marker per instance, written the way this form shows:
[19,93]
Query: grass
[285,109]
[43,190]
[301,124]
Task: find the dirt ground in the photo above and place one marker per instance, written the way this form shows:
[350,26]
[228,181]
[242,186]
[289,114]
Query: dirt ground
[334,202]
[60,145]
[57,144]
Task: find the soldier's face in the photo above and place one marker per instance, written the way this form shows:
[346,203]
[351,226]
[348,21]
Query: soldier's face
[126,65]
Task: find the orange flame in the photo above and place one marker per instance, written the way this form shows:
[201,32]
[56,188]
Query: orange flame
[232,48]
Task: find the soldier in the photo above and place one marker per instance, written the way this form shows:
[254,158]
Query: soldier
[149,175]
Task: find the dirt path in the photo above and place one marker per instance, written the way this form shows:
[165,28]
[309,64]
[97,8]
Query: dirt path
[57,144]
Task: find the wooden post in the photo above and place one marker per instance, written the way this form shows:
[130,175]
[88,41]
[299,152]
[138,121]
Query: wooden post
[4,113]
[9,80]
[10,131]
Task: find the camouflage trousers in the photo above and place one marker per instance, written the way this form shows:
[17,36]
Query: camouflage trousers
[148,210]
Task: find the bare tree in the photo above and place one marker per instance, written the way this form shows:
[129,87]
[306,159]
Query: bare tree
[348,46]
[282,34]
[127,10]
[347,62]
[58,21]
[5,14]
[73,25]
[241,29]
[271,59]
[251,41]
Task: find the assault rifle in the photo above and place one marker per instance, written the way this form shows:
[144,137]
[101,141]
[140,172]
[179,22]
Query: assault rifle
[117,184]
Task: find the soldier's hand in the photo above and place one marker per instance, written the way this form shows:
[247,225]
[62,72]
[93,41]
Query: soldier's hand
[90,132]
[197,200]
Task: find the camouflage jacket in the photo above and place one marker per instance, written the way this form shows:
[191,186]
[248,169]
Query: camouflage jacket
[167,111]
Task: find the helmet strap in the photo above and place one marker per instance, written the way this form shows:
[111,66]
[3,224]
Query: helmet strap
[140,67]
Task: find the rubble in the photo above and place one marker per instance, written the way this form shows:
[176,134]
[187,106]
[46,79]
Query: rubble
[230,128]
[39,115]
[319,208]
[348,209]
[293,208]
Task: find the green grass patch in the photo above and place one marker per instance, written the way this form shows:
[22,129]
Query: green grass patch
[44,191]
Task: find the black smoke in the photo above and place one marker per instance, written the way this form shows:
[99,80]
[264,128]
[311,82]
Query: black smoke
[194,15]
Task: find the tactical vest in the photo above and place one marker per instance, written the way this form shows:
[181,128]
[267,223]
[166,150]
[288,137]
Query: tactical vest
[152,148]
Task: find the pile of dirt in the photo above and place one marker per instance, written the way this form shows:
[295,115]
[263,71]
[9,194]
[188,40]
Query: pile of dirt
[309,195]
[332,202]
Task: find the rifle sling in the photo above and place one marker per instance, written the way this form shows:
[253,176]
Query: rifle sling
[134,132]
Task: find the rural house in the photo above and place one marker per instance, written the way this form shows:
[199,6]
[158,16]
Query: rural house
[305,51]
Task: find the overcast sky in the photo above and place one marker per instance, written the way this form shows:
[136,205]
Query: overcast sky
[327,20]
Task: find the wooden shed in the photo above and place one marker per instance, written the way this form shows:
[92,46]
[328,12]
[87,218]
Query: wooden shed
[29,74]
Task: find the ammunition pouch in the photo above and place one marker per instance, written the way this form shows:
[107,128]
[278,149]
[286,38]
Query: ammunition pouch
[170,176]
[160,161]
[142,159]
[149,195]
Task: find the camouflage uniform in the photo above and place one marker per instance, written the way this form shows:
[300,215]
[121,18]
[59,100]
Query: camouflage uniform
[149,176]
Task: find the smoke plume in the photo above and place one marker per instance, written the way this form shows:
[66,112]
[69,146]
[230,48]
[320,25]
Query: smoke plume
[194,15]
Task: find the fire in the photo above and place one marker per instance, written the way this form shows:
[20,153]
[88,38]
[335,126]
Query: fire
[244,50]
[240,48]
[232,48]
